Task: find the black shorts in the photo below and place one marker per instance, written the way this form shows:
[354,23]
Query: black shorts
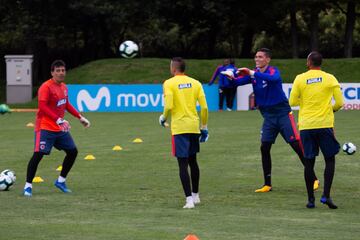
[185,145]
[323,138]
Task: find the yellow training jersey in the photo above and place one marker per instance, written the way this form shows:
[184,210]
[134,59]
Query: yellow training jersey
[313,92]
[181,96]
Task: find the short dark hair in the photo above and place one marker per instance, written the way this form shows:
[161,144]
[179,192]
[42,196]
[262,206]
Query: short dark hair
[315,58]
[178,63]
[57,63]
[232,61]
[266,51]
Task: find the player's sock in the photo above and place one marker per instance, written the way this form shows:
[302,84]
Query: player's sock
[184,175]
[309,176]
[27,192]
[33,165]
[195,173]
[266,162]
[196,198]
[61,179]
[28,185]
[68,161]
[328,175]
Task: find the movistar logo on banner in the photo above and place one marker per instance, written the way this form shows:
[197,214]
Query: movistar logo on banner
[126,98]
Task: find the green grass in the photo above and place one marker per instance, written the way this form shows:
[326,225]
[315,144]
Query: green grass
[136,193]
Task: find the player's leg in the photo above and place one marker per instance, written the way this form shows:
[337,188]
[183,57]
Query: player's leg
[232,97]
[221,99]
[31,171]
[185,181]
[44,141]
[329,147]
[266,165]
[181,146]
[309,181]
[65,142]
[195,178]
[311,150]
[269,133]
[290,134]
[227,92]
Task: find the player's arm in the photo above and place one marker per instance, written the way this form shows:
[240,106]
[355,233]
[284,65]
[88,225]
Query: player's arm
[272,76]
[241,80]
[294,99]
[204,115]
[168,105]
[338,97]
[215,75]
[70,108]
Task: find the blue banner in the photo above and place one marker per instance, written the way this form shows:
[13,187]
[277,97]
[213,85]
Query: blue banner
[127,98]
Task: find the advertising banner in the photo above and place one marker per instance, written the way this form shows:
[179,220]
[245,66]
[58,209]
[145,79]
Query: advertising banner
[127,97]
[351,93]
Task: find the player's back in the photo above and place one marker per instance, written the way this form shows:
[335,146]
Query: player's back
[316,91]
[185,92]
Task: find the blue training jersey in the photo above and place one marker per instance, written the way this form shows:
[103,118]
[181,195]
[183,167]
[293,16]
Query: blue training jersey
[224,81]
[267,88]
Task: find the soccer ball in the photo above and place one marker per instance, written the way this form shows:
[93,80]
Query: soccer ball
[349,148]
[128,49]
[9,173]
[5,182]
[4,109]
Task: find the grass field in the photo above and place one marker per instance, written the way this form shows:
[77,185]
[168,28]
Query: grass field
[136,193]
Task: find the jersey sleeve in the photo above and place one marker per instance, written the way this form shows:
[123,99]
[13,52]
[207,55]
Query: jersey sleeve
[294,99]
[338,97]
[215,74]
[169,102]
[70,108]
[272,76]
[204,113]
[241,80]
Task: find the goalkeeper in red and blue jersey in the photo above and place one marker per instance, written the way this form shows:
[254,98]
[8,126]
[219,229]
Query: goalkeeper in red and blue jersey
[274,107]
[51,129]
[227,90]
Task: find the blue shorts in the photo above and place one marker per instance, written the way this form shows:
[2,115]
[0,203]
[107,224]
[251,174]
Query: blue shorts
[283,124]
[185,145]
[45,140]
[323,138]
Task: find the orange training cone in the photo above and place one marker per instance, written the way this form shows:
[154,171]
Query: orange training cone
[191,237]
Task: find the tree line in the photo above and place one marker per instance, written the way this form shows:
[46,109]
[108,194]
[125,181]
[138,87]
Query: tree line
[81,31]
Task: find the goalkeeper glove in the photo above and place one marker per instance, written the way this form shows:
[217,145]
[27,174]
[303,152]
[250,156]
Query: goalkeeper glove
[84,122]
[63,124]
[204,135]
[162,121]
